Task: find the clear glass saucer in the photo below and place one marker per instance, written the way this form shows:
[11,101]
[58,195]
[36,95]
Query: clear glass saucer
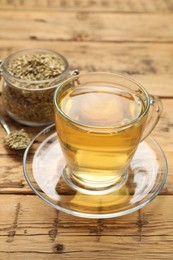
[43,163]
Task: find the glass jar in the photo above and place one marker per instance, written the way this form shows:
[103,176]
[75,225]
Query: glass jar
[28,101]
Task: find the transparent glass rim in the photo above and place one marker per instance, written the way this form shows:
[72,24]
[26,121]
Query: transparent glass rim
[8,75]
[63,84]
[89,215]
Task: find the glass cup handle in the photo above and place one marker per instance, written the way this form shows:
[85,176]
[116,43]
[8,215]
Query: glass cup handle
[155,112]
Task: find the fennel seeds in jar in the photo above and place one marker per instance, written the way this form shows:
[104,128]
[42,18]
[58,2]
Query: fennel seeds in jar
[30,79]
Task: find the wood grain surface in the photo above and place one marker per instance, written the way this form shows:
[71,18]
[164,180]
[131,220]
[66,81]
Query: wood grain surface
[129,37]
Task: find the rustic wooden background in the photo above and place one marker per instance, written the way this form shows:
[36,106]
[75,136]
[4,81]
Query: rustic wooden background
[131,37]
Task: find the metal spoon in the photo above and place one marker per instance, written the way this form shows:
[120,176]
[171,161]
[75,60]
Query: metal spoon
[15,140]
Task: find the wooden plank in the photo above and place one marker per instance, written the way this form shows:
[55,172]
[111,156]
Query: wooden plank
[128,6]
[32,228]
[150,64]
[84,26]
[42,219]
[12,179]
[52,221]
[97,254]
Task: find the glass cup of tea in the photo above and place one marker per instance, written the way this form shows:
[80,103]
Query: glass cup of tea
[100,120]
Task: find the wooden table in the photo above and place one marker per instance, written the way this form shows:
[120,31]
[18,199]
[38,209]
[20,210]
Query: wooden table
[131,37]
